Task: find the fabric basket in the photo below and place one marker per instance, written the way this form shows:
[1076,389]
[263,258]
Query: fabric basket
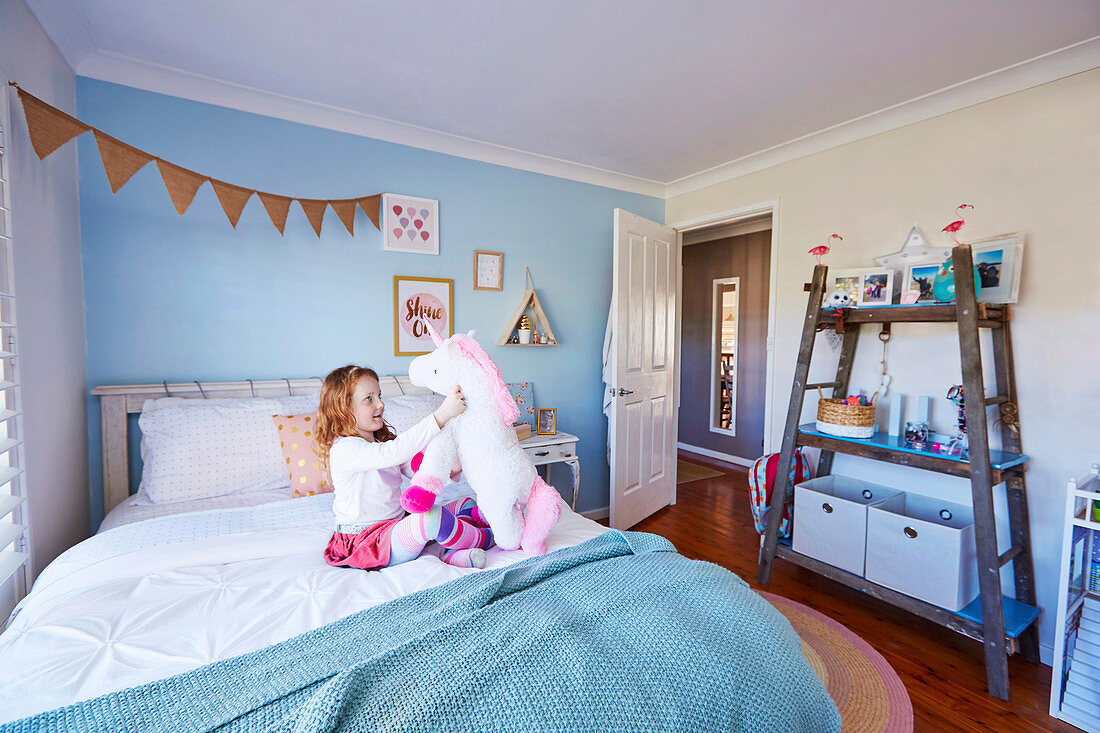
[846,421]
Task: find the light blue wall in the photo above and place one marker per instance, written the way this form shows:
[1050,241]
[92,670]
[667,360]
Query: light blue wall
[180,298]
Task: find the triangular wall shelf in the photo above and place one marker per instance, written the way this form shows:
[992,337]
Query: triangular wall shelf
[542,324]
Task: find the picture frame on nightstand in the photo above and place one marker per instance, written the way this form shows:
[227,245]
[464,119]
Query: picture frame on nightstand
[547,423]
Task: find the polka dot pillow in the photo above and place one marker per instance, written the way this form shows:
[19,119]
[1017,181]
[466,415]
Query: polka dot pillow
[307,476]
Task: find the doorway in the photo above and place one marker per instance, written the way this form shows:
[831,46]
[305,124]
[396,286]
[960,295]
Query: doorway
[726,294]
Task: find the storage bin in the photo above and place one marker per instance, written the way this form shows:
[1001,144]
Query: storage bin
[924,548]
[830,519]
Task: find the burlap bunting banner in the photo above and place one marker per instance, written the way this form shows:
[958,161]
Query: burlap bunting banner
[346,211]
[119,159]
[232,198]
[315,212]
[50,128]
[277,208]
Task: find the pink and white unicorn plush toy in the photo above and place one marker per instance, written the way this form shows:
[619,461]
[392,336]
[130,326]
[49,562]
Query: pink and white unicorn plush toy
[519,506]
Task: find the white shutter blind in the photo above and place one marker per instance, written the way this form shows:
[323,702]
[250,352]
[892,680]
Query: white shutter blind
[14,539]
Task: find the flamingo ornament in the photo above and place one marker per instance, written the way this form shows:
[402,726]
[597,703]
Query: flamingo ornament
[823,249]
[954,227]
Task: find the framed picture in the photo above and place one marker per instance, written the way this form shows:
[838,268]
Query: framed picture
[876,287]
[846,281]
[918,280]
[999,260]
[488,270]
[866,287]
[410,224]
[415,301]
[547,421]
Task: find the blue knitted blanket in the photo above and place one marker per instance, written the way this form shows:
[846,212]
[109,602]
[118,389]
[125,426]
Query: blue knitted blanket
[619,633]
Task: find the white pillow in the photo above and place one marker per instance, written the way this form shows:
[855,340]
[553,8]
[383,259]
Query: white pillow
[196,448]
[405,411]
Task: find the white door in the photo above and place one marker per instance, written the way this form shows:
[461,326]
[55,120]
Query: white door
[643,411]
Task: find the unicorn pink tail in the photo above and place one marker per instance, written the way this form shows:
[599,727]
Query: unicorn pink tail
[543,510]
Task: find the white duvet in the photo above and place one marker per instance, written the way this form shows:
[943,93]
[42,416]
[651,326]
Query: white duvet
[165,595]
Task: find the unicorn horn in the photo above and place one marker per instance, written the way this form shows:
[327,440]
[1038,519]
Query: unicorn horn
[431,332]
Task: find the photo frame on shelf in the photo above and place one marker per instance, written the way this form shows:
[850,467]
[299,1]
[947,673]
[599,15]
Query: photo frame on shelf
[999,260]
[868,286]
[416,300]
[918,279]
[410,224]
[488,270]
[547,423]
[876,287]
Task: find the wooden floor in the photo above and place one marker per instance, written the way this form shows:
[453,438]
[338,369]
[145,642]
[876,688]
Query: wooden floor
[942,671]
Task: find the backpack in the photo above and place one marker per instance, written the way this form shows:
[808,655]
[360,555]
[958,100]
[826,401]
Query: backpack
[762,481]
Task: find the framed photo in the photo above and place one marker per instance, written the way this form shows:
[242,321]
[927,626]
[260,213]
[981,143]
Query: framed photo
[918,279]
[488,270]
[876,287]
[410,224]
[998,260]
[416,300]
[547,421]
[866,286]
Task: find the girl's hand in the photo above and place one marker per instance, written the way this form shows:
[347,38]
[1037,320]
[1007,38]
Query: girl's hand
[456,470]
[453,406]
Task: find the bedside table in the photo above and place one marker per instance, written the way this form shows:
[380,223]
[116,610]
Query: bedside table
[559,448]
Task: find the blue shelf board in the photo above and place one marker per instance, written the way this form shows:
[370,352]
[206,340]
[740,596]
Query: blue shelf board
[999,460]
[1018,616]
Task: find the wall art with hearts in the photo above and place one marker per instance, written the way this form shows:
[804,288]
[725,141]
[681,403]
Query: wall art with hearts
[410,224]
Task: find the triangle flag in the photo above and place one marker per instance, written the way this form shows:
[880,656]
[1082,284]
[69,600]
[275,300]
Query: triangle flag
[345,209]
[370,206]
[232,198]
[277,209]
[120,160]
[181,183]
[49,128]
[315,212]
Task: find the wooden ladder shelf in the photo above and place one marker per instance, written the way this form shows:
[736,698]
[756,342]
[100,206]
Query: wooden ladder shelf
[1004,625]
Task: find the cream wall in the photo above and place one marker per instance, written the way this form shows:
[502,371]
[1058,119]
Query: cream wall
[1028,162]
[46,225]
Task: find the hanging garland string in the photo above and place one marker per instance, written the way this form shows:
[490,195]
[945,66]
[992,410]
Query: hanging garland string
[50,128]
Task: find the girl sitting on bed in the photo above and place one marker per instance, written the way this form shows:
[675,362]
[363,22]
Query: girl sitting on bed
[367,460]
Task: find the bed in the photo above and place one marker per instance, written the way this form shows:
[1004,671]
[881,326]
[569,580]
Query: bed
[218,612]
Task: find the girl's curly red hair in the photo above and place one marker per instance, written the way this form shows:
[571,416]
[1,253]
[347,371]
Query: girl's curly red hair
[335,418]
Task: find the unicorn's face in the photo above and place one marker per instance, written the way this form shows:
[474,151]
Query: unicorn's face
[439,370]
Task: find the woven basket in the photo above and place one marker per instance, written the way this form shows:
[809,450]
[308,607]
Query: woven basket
[847,421]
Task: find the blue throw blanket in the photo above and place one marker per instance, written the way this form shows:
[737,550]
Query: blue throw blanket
[619,633]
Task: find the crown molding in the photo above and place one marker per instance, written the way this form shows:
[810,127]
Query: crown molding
[88,60]
[1048,67]
[131,72]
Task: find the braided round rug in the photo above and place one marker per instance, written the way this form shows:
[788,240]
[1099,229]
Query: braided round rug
[866,689]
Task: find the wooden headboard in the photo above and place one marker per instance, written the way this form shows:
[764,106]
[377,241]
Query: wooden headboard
[116,402]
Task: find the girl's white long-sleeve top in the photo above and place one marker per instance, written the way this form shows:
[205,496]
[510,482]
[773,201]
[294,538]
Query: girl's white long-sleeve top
[366,477]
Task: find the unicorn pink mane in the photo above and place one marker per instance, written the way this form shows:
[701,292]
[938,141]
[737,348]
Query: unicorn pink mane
[505,403]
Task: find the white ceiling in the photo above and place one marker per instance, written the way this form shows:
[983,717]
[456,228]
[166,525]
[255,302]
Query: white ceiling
[640,94]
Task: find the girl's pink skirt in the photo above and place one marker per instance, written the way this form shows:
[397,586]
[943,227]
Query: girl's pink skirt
[367,550]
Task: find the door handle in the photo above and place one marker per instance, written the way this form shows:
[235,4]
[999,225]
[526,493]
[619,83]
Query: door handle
[625,391]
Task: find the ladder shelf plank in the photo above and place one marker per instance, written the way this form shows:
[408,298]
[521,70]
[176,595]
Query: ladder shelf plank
[893,449]
[1018,616]
[989,315]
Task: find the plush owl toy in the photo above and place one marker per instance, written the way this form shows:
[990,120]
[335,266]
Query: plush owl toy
[519,506]
[839,299]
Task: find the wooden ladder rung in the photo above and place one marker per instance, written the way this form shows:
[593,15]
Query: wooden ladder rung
[822,385]
[996,400]
[1010,554]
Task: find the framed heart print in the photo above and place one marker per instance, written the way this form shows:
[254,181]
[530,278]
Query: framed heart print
[410,224]
[488,270]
